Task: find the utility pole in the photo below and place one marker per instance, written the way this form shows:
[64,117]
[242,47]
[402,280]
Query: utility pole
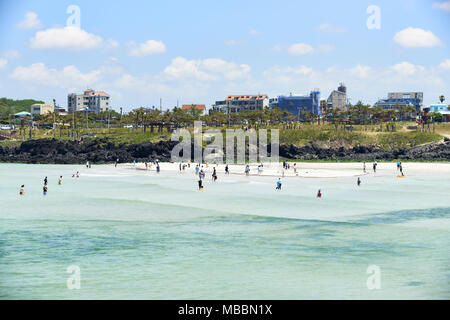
[87,120]
[109,117]
[54,118]
[73,117]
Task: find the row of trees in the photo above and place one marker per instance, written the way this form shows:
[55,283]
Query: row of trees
[156,120]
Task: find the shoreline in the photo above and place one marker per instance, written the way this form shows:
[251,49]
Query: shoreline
[304,170]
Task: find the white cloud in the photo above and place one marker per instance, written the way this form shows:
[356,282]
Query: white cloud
[11,54]
[303,48]
[360,71]
[112,44]
[67,77]
[416,38]
[212,69]
[407,69]
[328,28]
[253,32]
[65,38]
[445,64]
[31,21]
[444,6]
[300,48]
[3,63]
[148,48]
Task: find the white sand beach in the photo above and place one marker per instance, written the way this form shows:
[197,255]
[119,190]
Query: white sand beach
[306,169]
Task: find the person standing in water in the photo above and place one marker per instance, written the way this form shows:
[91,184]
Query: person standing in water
[45,189]
[22,190]
[364,167]
[359,182]
[60,180]
[117,162]
[200,184]
[87,164]
[158,168]
[214,175]
[227,170]
[78,174]
[401,169]
[319,194]
[45,181]
[279,183]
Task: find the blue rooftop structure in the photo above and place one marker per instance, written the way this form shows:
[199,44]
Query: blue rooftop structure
[413,99]
[297,104]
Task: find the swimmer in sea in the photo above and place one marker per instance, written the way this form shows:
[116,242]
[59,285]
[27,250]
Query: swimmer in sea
[22,190]
[359,182]
[78,174]
[319,194]
[60,180]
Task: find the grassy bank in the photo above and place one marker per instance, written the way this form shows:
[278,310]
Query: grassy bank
[325,135]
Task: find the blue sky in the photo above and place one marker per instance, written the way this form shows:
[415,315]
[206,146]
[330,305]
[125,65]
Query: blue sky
[201,51]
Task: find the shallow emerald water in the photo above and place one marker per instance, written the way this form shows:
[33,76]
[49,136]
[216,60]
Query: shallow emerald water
[139,235]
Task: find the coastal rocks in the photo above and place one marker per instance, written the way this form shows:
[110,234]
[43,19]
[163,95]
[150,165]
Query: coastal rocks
[102,150]
[429,152]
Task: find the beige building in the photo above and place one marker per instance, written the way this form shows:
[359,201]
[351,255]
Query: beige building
[41,109]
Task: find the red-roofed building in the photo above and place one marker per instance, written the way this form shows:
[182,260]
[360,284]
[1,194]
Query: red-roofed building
[199,107]
[238,103]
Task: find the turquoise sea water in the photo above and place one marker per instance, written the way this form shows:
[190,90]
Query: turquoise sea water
[139,235]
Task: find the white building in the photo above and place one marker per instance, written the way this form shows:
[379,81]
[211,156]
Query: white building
[338,98]
[93,101]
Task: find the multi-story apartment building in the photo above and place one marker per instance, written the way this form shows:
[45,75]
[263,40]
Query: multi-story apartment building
[298,104]
[338,98]
[93,101]
[246,103]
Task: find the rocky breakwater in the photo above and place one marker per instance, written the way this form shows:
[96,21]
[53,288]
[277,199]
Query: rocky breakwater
[95,151]
[437,151]
[102,150]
